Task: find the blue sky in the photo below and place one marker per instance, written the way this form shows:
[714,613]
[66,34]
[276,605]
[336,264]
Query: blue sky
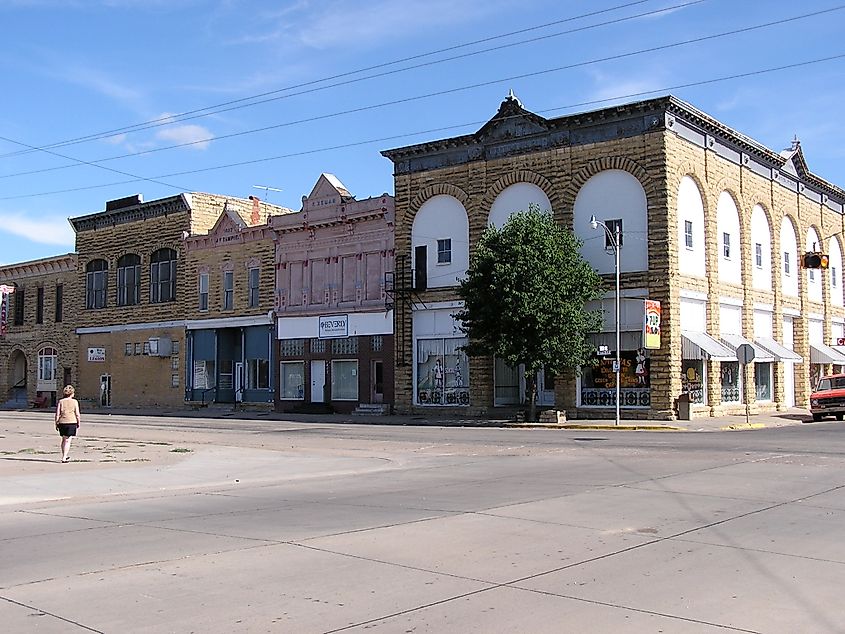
[78,68]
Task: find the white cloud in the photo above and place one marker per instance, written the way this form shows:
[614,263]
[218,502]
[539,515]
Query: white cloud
[198,136]
[42,230]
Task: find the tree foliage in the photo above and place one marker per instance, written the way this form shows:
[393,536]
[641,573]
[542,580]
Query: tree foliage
[525,294]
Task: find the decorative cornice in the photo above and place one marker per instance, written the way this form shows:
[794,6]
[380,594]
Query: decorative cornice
[37,268]
[133,213]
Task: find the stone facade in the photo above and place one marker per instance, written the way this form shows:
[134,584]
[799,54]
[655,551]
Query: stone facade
[38,350]
[583,164]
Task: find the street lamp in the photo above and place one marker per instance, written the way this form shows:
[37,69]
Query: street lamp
[613,236]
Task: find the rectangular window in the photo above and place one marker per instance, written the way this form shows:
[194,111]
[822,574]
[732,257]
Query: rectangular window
[758,255]
[344,380]
[726,245]
[19,304]
[688,233]
[442,372]
[763,381]
[318,346]
[203,289]
[444,251]
[138,349]
[291,380]
[292,347]
[39,305]
[96,288]
[812,274]
[833,276]
[174,380]
[163,281]
[174,363]
[128,285]
[786,263]
[345,346]
[204,375]
[60,293]
[228,290]
[254,292]
[257,374]
[377,343]
[127,349]
[614,227]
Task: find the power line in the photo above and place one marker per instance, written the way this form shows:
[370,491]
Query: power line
[209,110]
[442,129]
[440,92]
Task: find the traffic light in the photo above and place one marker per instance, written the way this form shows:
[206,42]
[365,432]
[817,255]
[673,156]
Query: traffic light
[815,260]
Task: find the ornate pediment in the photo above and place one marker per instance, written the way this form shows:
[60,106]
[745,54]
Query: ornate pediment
[794,162]
[512,121]
[228,226]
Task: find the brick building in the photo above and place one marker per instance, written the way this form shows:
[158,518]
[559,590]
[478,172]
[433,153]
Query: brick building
[230,273]
[38,351]
[335,335]
[713,225]
[135,293]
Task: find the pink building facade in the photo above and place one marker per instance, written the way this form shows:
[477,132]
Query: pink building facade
[334,326]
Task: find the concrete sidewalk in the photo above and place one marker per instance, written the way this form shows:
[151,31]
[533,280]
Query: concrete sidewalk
[794,416]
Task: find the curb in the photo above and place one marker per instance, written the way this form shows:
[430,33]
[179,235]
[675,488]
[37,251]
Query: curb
[594,427]
[741,426]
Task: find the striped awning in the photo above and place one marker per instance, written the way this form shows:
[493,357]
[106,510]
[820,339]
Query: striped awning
[700,345]
[761,355]
[781,352]
[820,353]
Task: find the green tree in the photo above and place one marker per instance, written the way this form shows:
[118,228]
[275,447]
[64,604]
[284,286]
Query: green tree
[524,298]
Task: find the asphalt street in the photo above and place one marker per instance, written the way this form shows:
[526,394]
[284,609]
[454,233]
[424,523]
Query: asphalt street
[170,524]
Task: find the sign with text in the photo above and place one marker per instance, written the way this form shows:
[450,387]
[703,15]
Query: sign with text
[651,325]
[96,355]
[333,326]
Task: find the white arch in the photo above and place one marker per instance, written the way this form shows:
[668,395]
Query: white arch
[613,195]
[814,277]
[789,258]
[691,252]
[442,218]
[834,253]
[729,240]
[761,249]
[515,198]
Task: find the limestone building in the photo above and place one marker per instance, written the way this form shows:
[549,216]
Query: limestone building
[135,293]
[334,330]
[38,351]
[230,273]
[713,225]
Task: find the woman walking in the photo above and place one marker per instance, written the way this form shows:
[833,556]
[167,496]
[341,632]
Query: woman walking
[67,420]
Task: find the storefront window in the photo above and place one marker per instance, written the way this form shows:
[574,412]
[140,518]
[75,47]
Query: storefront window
[204,375]
[505,383]
[730,382]
[291,380]
[442,372]
[257,374]
[344,380]
[692,380]
[598,381]
[763,381]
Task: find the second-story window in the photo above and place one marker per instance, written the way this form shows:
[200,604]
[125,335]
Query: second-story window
[786,263]
[254,283]
[726,245]
[444,251]
[228,290]
[833,276]
[96,283]
[163,276]
[60,299]
[39,305]
[688,233]
[19,304]
[203,290]
[128,280]
[758,255]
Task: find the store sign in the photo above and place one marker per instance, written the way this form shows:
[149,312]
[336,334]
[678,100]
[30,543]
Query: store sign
[96,355]
[651,325]
[5,297]
[333,326]
[840,341]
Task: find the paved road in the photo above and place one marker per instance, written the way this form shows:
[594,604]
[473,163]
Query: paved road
[172,525]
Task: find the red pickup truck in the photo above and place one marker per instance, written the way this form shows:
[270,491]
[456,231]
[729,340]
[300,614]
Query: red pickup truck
[829,397]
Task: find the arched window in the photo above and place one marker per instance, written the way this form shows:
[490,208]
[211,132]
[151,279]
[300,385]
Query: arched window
[163,276]
[47,364]
[440,242]
[96,283]
[129,280]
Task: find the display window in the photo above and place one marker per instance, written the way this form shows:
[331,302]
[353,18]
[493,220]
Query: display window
[598,380]
[442,372]
[692,379]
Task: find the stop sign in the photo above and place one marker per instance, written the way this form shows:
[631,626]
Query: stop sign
[745,353]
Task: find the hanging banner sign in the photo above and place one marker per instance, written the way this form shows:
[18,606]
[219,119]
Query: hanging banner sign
[651,325]
[5,292]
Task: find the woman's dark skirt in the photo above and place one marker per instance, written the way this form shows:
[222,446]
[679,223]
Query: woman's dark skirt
[67,430]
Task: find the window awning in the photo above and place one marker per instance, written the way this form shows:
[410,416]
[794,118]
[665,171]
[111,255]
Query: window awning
[781,352]
[761,355]
[820,353]
[698,345]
